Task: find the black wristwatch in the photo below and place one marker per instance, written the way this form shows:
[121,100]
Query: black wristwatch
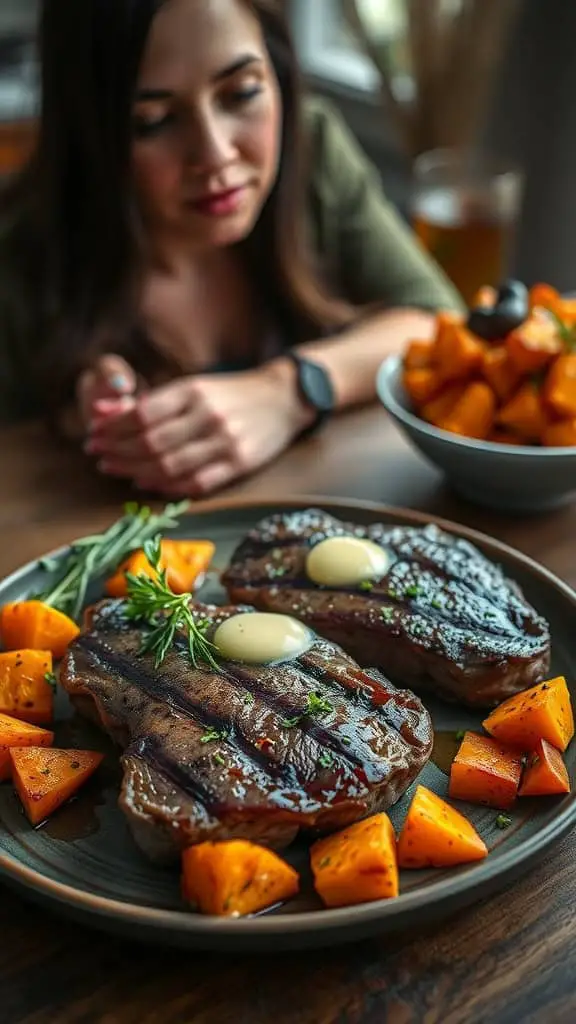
[315,388]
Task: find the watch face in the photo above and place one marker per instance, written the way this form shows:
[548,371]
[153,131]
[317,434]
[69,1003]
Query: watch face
[317,386]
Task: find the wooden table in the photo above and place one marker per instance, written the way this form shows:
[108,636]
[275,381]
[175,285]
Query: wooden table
[508,961]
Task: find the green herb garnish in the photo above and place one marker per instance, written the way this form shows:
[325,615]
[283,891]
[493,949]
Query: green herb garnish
[326,760]
[366,585]
[249,698]
[51,680]
[211,735]
[503,821]
[92,557]
[412,591]
[387,614]
[152,602]
[290,723]
[218,757]
[460,735]
[436,604]
[318,705]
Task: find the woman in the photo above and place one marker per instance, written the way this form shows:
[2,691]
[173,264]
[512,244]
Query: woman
[185,214]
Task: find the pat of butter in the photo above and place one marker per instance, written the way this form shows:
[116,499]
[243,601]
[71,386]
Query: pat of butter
[346,562]
[261,638]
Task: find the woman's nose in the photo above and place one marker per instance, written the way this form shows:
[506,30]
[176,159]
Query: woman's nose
[210,145]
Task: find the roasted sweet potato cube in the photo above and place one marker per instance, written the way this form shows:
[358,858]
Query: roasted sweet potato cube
[437,835]
[542,713]
[485,771]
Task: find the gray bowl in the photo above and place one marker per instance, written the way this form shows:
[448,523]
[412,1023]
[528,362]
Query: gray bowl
[510,478]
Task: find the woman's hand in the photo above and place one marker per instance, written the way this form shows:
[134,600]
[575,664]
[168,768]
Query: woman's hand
[197,434]
[105,391]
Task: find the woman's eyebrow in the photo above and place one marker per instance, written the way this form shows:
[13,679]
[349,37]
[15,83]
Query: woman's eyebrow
[237,65]
[150,95]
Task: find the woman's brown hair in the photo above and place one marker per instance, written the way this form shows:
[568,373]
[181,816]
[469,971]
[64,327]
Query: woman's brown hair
[76,233]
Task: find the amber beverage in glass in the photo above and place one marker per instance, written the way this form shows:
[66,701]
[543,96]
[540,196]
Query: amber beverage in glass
[464,211]
[19,99]
[16,143]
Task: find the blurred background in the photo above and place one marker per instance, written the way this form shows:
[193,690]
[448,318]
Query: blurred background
[467,107]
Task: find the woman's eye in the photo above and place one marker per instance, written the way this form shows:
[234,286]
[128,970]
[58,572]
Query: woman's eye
[240,96]
[145,127]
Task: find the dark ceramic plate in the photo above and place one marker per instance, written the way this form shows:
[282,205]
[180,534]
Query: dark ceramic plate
[84,862]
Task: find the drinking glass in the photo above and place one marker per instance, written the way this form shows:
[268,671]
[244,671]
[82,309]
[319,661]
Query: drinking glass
[464,211]
[19,95]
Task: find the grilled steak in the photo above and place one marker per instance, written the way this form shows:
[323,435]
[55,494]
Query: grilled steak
[245,751]
[443,617]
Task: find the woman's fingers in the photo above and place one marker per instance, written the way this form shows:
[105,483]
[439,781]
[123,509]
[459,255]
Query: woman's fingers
[147,445]
[152,472]
[167,402]
[117,376]
[105,389]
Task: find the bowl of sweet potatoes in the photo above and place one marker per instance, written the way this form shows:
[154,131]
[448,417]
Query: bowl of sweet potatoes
[490,399]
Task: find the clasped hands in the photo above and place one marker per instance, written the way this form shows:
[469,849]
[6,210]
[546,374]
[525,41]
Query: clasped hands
[193,435]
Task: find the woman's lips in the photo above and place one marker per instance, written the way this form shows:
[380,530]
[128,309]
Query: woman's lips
[220,204]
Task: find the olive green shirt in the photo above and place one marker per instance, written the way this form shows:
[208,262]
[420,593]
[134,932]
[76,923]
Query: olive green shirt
[368,253]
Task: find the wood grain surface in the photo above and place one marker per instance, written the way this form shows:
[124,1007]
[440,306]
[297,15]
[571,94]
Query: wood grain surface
[507,961]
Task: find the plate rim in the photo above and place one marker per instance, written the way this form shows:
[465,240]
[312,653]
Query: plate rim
[326,920]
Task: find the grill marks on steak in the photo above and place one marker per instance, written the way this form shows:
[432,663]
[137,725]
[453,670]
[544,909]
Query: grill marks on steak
[444,617]
[271,768]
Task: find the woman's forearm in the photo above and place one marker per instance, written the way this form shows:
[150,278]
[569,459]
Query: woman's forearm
[352,359]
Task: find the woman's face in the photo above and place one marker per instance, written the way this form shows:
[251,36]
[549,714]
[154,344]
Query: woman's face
[207,123]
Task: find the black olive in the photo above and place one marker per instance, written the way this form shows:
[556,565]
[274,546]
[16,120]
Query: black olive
[509,311]
[485,324]
[494,324]
[513,289]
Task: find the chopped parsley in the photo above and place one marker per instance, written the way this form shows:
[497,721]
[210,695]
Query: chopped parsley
[318,705]
[218,757]
[503,821]
[436,604]
[290,723]
[413,591]
[275,572]
[249,698]
[51,680]
[460,735]
[326,760]
[366,585]
[211,735]
[387,614]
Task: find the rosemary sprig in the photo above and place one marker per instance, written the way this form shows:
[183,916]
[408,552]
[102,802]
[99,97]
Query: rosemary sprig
[92,557]
[152,602]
